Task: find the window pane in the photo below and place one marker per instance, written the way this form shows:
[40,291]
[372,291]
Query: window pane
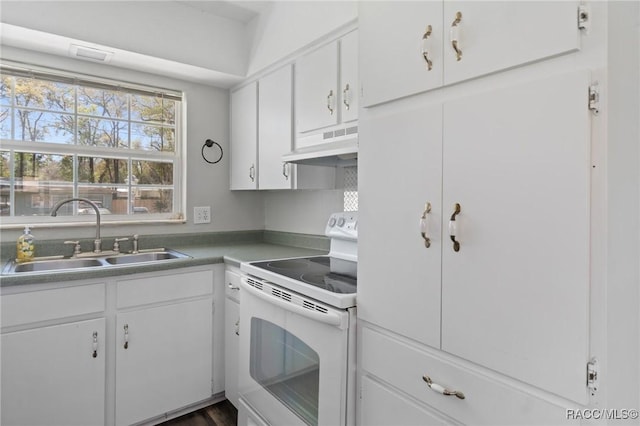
[102,170]
[104,133]
[153,109]
[42,94]
[152,200]
[102,103]
[109,199]
[5,90]
[39,126]
[151,173]
[40,181]
[5,123]
[152,138]
[42,169]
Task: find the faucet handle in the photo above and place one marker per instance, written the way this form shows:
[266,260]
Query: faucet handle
[135,250]
[76,249]
[116,244]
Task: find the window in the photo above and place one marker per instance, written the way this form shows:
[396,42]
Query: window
[64,136]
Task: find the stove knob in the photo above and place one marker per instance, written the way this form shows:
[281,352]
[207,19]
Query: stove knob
[341,222]
[332,222]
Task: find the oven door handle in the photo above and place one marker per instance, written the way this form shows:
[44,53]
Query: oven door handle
[329,317]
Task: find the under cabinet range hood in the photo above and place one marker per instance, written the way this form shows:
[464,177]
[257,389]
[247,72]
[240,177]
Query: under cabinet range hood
[335,147]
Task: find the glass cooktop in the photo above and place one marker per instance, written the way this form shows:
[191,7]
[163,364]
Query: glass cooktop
[329,273]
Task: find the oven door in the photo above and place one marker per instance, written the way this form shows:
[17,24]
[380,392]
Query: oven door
[294,357]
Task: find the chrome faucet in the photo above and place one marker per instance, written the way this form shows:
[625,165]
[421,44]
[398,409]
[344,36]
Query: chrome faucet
[97,243]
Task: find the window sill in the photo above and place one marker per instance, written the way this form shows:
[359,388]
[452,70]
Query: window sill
[84,223]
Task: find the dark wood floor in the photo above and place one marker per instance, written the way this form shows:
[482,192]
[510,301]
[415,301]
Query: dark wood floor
[220,414]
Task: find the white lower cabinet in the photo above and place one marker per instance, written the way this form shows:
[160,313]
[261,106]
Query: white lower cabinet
[54,375]
[122,351]
[383,406]
[163,353]
[232,334]
[53,356]
[394,390]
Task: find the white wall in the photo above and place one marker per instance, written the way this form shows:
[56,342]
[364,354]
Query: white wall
[207,184]
[304,211]
[291,25]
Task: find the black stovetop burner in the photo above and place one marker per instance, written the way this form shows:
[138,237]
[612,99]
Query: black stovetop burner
[329,273]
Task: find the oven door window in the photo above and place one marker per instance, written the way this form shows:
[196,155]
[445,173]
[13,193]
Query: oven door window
[286,367]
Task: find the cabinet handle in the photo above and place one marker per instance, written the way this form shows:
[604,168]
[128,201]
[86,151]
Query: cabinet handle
[424,225]
[95,344]
[233,287]
[126,336]
[344,97]
[453,228]
[330,101]
[252,173]
[454,35]
[425,47]
[441,389]
[285,171]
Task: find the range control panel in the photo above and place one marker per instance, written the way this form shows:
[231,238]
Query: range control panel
[343,225]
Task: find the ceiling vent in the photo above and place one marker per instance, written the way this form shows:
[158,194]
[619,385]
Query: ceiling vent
[90,53]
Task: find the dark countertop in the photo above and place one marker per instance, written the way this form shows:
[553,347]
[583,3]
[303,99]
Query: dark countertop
[202,254]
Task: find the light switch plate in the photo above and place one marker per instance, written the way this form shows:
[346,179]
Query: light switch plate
[202,214]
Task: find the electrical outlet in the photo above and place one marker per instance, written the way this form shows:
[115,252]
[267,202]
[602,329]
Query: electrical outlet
[202,214]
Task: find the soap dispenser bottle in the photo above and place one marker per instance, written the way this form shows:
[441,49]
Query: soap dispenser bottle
[25,247]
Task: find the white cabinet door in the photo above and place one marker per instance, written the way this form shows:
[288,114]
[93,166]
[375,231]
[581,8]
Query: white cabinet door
[400,171]
[163,359]
[392,40]
[50,376]
[491,36]
[498,35]
[317,89]
[275,131]
[381,406]
[231,344]
[244,134]
[349,80]
[515,297]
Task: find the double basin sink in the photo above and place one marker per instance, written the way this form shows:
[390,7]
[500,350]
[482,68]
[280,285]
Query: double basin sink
[159,255]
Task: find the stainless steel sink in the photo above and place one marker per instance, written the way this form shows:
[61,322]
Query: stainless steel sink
[54,265]
[126,259]
[105,260]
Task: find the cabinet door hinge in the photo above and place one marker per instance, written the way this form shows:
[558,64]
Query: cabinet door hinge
[584,17]
[593,373]
[594,99]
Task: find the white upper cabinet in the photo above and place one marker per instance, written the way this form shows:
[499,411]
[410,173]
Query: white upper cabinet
[349,81]
[492,36]
[400,49]
[244,137]
[412,47]
[275,131]
[322,76]
[317,89]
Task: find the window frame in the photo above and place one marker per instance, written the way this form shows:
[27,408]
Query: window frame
[175,157]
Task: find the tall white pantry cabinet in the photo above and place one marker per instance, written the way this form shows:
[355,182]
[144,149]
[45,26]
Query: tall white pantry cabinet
[481,191]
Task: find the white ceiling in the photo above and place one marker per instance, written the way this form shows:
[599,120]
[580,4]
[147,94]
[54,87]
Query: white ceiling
[240,10]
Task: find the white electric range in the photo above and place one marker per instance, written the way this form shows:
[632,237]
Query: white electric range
[297,334]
